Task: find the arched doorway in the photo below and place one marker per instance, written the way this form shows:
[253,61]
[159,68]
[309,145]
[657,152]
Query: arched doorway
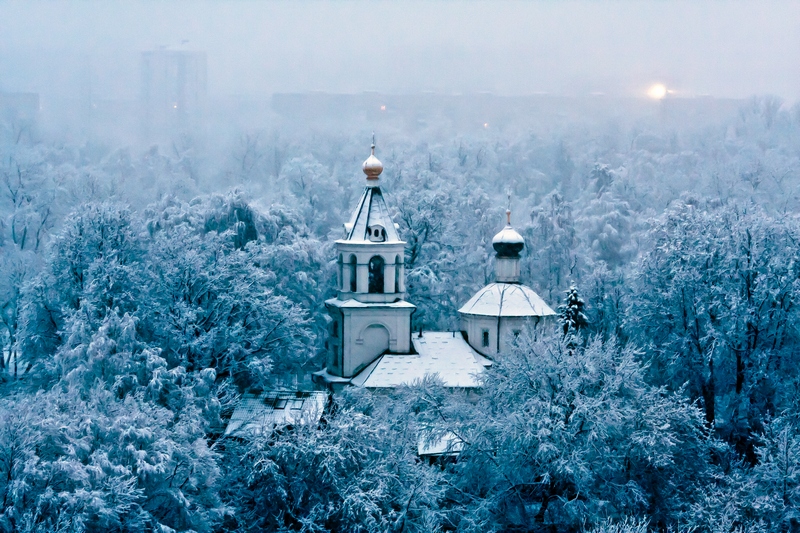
[376,340]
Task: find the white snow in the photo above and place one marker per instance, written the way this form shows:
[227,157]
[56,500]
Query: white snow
[447,444]
[260,414]
[455,362]
[508,235]
[506,299]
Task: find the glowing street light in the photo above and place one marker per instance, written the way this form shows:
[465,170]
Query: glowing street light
[657,91]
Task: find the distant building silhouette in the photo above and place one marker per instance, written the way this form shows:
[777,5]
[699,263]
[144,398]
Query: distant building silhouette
[174,92]
[19,113]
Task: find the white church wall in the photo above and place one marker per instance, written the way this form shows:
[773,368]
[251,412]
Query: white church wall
[364,328]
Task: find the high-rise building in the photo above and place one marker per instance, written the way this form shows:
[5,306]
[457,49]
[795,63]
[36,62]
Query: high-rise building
[174,92]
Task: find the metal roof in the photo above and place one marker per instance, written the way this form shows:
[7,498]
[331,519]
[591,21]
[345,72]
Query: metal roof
[371,211]
[440,353]
[506,299]
[508,235]
[258,414]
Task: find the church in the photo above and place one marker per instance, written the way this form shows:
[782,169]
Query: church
[371,343]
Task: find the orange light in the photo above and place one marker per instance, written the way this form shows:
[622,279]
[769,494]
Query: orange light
[657,91]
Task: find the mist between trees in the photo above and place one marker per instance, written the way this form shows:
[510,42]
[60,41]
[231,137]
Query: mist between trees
[142,291]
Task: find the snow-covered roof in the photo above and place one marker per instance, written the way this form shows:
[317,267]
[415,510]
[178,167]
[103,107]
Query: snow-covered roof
[442,353]
[508,243]
[508,235]
[261,413]
[447,444]
[355,304]
[371,212]
[506,299]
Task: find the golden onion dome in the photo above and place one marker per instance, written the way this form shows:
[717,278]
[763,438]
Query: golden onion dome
[372,167]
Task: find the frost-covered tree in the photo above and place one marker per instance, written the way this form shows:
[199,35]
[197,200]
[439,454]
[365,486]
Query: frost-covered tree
[552,253]
[715,297]
[569,437]
[118,444]
[571,313]
[353,472]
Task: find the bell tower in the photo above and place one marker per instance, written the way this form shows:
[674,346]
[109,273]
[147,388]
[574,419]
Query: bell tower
[369,316]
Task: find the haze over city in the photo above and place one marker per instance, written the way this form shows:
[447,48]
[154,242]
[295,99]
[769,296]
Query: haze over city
[728,49]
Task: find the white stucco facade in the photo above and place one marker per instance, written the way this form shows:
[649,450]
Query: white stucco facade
[369,316]
[361,332]
[501,310]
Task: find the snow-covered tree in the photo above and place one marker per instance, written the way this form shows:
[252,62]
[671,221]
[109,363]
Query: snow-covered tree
[354,472]
[715,297]
[568,437]
[571,313]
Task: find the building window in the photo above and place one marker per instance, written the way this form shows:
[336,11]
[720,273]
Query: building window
[376,234]
[335,329]
[376,274]
[398,265]
[485,333]
[353,273]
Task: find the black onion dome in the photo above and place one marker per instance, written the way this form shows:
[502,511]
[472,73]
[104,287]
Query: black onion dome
[508,243]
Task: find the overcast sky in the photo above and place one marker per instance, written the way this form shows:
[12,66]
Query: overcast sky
[726,49]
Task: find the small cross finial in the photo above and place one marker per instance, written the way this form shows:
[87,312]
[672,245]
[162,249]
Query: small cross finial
[373,143]
[508,209]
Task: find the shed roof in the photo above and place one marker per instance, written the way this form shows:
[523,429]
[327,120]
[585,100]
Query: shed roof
[447,444]
[441,353]
[257,414]
[506,299]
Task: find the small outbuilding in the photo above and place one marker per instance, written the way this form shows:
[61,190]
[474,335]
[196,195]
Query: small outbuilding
[261,414]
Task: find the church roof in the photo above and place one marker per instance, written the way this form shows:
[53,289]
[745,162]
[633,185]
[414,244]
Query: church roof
[355,304]
[441,353]
[371,212]
[506,299]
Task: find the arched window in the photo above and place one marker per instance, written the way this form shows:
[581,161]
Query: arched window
[353,273]
[376,274]
[398,264]
[376,233]
[340,279]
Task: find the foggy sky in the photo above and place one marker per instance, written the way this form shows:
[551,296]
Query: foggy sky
[726,49]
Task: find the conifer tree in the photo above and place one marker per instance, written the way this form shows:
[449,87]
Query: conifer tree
[571,314]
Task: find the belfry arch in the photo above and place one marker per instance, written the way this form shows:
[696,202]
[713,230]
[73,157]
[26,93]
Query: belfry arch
[353,273]
[376,267]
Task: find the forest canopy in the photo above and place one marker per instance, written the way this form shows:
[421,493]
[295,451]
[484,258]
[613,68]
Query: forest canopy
[144,290]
